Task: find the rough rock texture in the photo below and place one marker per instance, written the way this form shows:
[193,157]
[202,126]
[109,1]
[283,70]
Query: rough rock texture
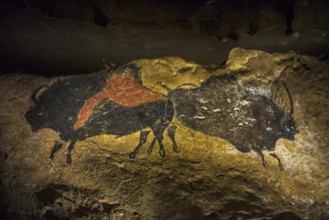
[224,19]
[78,36]
[307,15]
[208,179]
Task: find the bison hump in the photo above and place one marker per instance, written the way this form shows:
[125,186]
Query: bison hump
[122,89]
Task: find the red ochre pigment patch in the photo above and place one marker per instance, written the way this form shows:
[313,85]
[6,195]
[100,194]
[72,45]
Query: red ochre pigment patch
[122,89]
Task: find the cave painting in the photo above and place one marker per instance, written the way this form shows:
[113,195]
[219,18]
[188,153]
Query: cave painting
[116,103]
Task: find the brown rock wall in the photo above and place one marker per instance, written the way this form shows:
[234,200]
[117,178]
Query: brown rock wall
[208,179]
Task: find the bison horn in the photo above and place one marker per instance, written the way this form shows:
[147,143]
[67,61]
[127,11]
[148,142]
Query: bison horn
[36,93]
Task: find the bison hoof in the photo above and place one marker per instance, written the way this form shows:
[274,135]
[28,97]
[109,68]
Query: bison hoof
[162,153]
[49,163]
[132,155]
[281,167]
[176,150]
[265,164]
[69,159]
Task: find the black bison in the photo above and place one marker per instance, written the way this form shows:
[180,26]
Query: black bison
[114,103]
[249,116]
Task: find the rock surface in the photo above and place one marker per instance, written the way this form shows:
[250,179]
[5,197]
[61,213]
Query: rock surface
[78,36]
[208,179]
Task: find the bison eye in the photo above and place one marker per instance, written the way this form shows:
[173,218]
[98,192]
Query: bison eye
[40,113]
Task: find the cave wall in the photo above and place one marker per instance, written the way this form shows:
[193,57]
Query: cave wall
[209,178]
[224,19]
[72,37]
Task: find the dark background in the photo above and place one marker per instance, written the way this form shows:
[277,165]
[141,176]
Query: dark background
[59,37]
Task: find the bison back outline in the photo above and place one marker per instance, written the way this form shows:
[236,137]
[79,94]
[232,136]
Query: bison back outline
[250,117]
[59,108]
[244,115]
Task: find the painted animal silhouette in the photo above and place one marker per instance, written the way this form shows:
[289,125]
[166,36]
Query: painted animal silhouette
[249,116]
[114,103]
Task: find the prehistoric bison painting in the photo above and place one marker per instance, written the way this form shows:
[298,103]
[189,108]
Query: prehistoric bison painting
[249,116]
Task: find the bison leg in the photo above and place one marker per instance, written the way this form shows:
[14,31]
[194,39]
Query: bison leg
[171,134]
[142,140]
[162,151]
[70,148]
[158,130]
[160,126]
[149,151]
[158,133]
[260,153]
[276,157]
[56,147]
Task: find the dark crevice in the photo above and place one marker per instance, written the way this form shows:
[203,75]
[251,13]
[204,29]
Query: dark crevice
[289,16]
[100,18]
[286,216]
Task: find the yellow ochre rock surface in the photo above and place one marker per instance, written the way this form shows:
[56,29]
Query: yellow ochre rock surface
[209,178]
